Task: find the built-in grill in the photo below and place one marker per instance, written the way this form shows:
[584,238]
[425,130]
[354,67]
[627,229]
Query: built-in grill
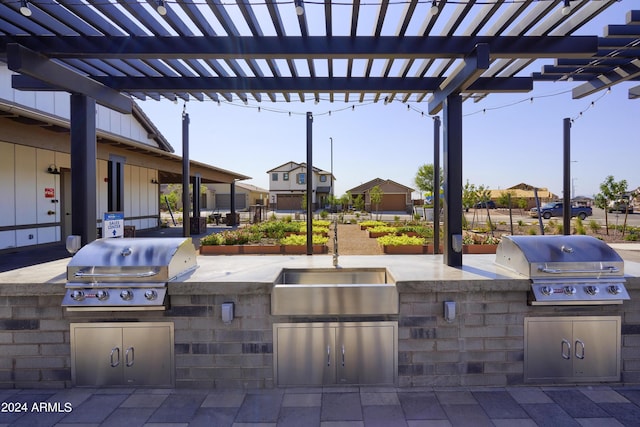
[565,270]
[127,273]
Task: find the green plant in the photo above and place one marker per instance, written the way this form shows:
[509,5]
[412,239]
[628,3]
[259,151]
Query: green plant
[559,229]
[324,214]
[521,223]
[420,230]
[490,240]
[372,223]
[468,239]
[594,226]
[580,229]
[298,240]
[532,232]
[392,240]
[383,229]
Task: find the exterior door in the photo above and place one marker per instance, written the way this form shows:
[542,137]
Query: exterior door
[97,356]
[595,345]
[146,360]
[306,355]
[365,355]
[65,198]
[548,349]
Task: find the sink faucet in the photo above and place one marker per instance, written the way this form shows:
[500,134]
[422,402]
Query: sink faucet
[335,242]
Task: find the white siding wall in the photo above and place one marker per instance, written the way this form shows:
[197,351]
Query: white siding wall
[58,104]
[23,180]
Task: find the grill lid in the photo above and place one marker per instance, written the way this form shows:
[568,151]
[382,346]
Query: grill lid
[553,257]
[133,259]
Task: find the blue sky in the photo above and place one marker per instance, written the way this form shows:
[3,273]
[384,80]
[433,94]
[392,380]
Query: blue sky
[505,145]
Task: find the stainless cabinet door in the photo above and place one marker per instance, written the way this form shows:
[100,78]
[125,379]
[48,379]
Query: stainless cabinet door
[305,355]
[365,354]
[548,349]
[97,356]
[597,347]
[147,356]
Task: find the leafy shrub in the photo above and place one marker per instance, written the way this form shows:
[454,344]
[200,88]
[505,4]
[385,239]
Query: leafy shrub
[295,239]
[421,230]
[580,229]
[393,240]
[372,223]
[532,231]
[383,229]
[594,226]
[324,214]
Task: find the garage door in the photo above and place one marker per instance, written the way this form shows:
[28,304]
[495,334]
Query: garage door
[223,201]
[393,202]
[289,202]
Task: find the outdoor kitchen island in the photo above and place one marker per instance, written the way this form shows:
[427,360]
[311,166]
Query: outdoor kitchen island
[481,342]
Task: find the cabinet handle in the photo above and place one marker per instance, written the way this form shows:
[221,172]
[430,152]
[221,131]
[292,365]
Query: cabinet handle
[565,344]
[343,356]
[116,351]
[128,362]
[579,355]
[328,356]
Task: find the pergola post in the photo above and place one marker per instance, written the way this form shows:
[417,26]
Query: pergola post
[452,153]
[83,168]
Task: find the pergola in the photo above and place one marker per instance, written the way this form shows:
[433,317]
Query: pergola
[441,52]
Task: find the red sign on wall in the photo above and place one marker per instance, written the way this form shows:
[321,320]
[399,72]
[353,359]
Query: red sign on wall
[49,193]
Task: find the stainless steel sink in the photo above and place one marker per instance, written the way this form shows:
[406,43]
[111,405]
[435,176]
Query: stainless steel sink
[334,291]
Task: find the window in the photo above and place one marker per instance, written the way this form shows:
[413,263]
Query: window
[285,176]
[274,176]
[323,178]
[300,178]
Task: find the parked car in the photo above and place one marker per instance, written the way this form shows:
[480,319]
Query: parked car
[555,209]
[483,205]
[619,206]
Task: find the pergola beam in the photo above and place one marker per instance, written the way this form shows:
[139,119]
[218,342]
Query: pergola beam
[24,61]
[462,78]
[316,47]
[292,85]
[619,74]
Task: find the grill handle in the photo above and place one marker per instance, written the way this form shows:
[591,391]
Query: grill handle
[609,270]
[119,275]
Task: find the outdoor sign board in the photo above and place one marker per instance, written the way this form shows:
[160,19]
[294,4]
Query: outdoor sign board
[113,224]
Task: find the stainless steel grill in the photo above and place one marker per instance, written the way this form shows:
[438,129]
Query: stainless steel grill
[565,270]
[127,274]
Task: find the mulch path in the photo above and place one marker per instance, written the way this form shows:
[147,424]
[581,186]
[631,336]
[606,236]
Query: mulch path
[353,241]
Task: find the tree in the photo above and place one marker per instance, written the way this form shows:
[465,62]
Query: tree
[358,203]
[376,195]
[469,196]
[424,179]
[610,190]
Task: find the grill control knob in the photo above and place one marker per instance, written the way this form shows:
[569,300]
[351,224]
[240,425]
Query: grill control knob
[77,295]
[151,294]
[546,290]
[102,295]
[126,295]
[569,290]
[614,289]
[591,289]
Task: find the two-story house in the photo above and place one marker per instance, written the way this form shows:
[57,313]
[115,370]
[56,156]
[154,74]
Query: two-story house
[288,184]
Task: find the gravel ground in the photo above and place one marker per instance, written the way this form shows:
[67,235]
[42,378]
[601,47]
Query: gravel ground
[353,241]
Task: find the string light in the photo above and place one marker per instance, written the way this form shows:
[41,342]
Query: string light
[434,8]
[566,9]
[24,8]
[160,8]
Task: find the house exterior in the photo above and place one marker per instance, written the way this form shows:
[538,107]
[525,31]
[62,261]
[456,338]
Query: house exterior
[133,158]
[218,196]
[396,197]
[526,192]
[288,184]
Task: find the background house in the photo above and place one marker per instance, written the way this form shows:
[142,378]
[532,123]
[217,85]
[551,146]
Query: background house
[396,197]
[288,184]
[526,192]
[218,196]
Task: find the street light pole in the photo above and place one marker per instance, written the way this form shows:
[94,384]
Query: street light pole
[332,193]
